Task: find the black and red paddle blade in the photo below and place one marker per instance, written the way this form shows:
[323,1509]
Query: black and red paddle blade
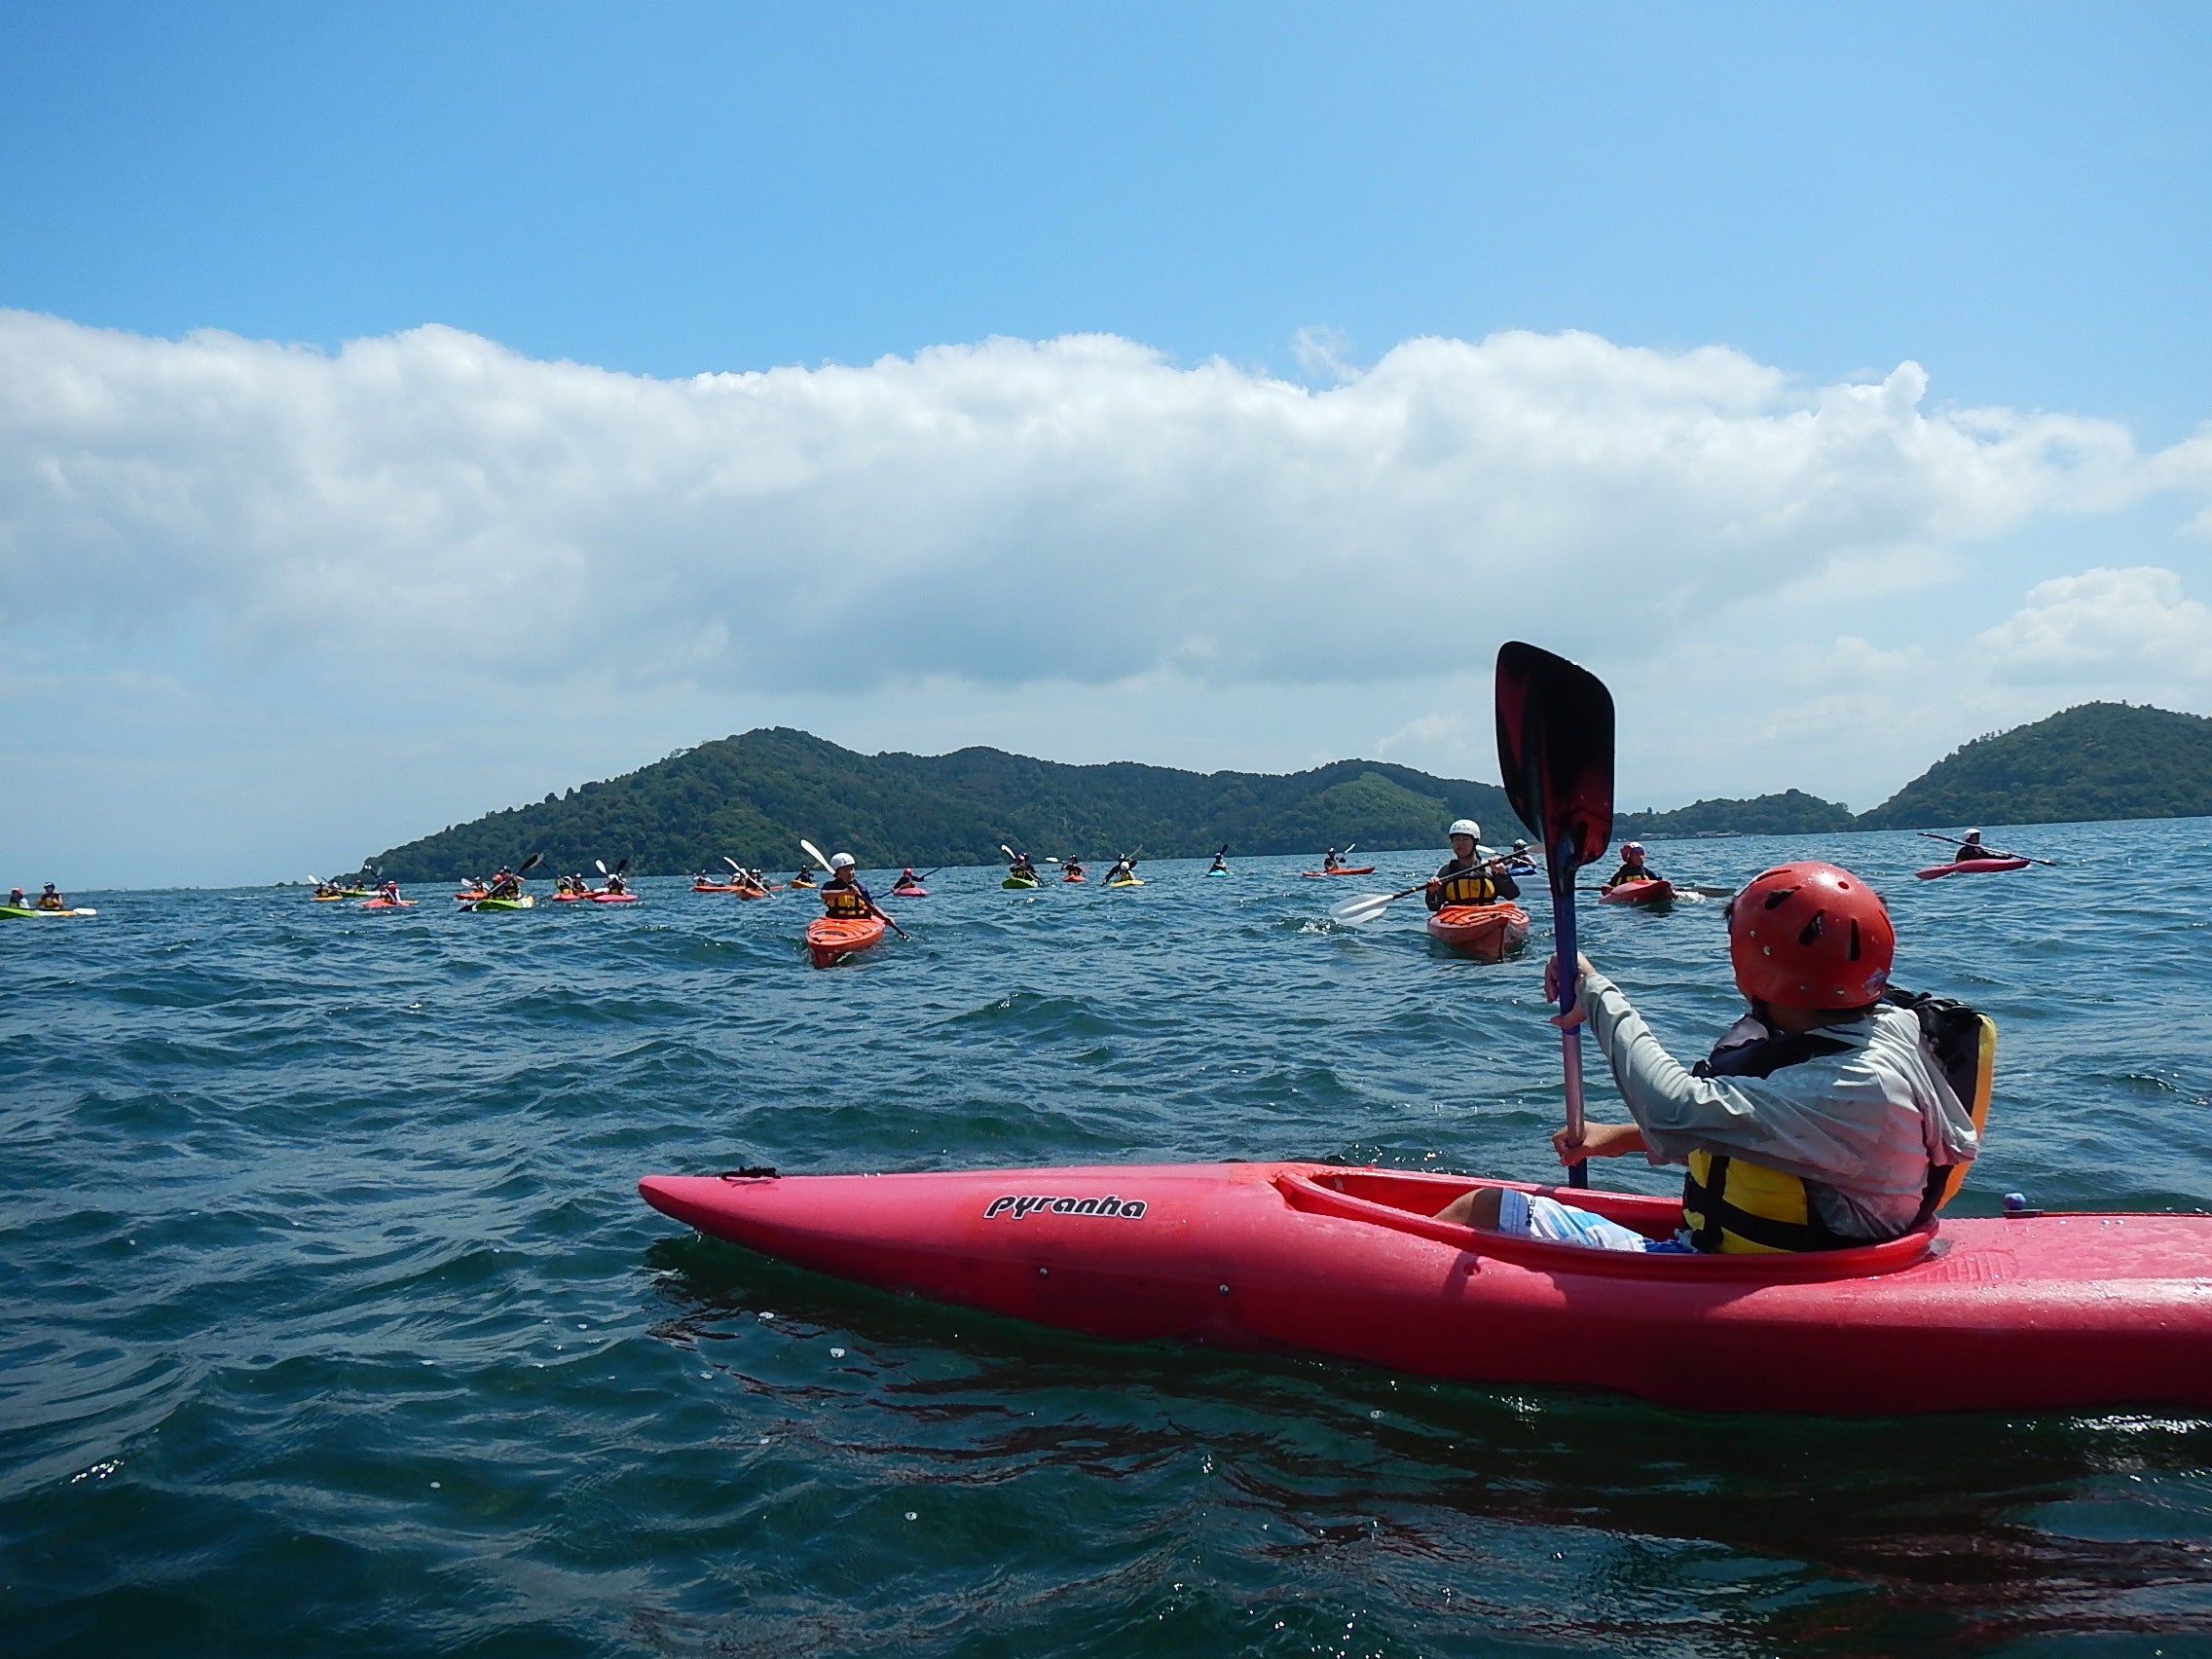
[1555,746]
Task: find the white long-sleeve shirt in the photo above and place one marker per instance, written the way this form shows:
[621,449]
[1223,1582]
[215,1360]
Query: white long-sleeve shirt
[1860,1127]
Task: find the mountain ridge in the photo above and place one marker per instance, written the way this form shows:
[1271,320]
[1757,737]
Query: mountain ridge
[751,796]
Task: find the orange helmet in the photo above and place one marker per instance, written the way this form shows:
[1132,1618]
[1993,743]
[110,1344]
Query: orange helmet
[1811,935]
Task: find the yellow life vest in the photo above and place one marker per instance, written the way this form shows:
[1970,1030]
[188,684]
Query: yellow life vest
[1469,887]
[1737,1207]
[844,901]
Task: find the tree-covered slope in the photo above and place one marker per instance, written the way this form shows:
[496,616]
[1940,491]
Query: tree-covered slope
[1792,812]
[751,797]
[2100,760]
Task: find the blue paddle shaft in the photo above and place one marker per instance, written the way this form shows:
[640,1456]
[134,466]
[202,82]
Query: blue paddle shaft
[1568,979]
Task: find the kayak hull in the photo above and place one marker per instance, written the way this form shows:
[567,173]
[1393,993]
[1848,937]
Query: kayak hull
[1646,893]
[1970,866]
[1016,881]
[2032,1312]
[1341,870]
[1133,881]
[1484,931]
[909,893]
[30,912]
[387,903]
[613,898]
[830,940]
[526,901]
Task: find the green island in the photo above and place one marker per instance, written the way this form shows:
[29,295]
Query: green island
[751,797]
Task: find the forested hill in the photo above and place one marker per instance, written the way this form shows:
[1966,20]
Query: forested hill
[2100,760]
[751,797]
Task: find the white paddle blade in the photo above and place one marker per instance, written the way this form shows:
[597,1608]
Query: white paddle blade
[813,852]
[733,864]
[1358,912]
[599,864]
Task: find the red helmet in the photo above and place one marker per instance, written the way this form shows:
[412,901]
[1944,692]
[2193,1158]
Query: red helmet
[1811,935]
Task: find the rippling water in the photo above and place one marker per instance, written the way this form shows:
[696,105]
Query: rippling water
[333,1322]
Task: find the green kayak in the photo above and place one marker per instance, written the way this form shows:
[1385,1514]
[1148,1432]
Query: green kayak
[1018,881]
[525,903]
[28,912]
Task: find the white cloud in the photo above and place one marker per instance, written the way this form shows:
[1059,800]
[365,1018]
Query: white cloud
[2105,628]
[1002,513]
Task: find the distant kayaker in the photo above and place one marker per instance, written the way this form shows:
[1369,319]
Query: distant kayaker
[1329,859]
[1125,869]
[1821,1119]
[1219,863]
[907,878]
[1521,862]
[804,878]
[504,884]
[1466,877]
[391,892]
[614,883]
[17,901]
[842,894]
[1632,868]
[1073,871]
[1971,848]
[50,900]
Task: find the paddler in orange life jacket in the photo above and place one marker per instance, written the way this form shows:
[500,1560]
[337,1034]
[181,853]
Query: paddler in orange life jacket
[1632,868]
[1466,876]
[842,894]
[50,899]
[1835,1113]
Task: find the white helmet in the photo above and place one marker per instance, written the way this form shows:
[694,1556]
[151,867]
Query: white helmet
[1465,827]
[840,861]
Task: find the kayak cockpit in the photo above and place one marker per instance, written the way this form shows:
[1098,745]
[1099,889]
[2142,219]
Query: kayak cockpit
[1407,1201]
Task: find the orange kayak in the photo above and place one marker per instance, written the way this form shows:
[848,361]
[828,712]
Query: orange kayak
[832,939]
[1487,931]
[1341,870]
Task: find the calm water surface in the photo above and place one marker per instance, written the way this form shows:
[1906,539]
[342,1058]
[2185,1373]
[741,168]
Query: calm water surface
[332,1321]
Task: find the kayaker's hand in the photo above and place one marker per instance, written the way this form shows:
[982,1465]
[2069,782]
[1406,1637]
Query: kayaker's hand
[1579,1012]
[1599,1141]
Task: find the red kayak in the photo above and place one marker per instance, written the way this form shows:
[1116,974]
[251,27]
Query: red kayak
[1487,931]
[1970,866]
[1653,892]
[604,897]
[1341,870]
[569,898]
[832,939]
[716,887]
[1075,879]
[909,893]
[469,895]
[2023,1314]
[387,903]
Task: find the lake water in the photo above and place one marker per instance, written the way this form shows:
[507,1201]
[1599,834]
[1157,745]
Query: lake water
[333,1323]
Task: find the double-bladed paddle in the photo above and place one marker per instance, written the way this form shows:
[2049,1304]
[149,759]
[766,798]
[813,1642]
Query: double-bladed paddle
[1555,751]
[1991,852]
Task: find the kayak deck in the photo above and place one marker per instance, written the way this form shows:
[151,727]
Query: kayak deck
[830,940]
[1487,931]
[1653,892]
[2025,1313]
[1970,866]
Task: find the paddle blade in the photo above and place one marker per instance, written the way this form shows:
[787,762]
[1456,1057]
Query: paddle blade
[1555,748]
[1358,912]
[813,852]
[530,864]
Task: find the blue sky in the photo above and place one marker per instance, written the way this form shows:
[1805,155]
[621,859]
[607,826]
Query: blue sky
[2011,198]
